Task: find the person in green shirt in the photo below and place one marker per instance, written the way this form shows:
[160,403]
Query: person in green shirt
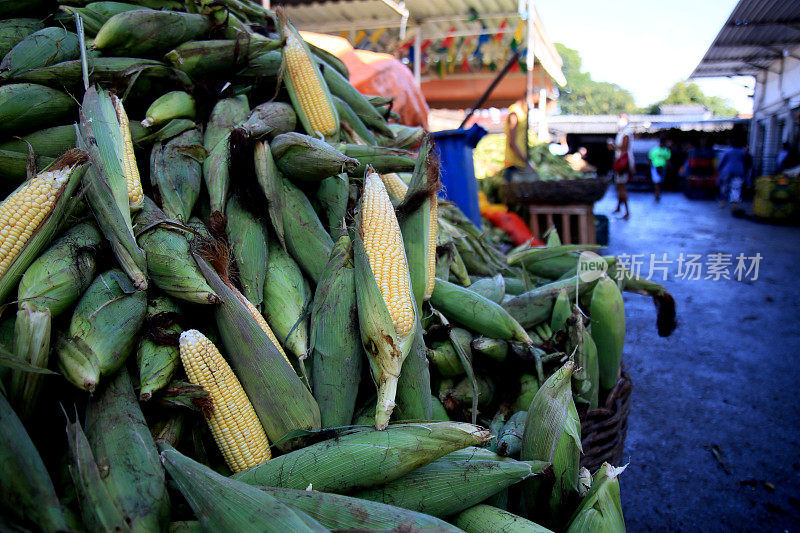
[659,155]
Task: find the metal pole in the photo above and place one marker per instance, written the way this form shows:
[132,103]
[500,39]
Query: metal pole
[418,55]
[530,63]
[490,88]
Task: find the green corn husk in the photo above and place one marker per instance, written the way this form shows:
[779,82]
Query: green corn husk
[461,393]
[267,65]
[15,8]
[405,137]
[305,237]
[287,301]
[444,356]
[224,504]
[28,107]
[476,312]
[553,434]
[119,437]
[176,170]
[13,31]
[62,273]
[103,330]
[204,59]
[174,104]
[105,70]
[49,142]
[458,269]
[340,87]
[536,306]
[7,334]
[26,489]
[495,349]
[330,59]
[40,49]
[333,195]
[186,526]
[148,32]
[226,115]
[172,129]
[528,387]
[281,401]
[356,126]
[380,158]
[158,355]
[271,184]
[562,309]
[488,519]
[510,438]
[107,185]
[169,260]
[364,457]
[31,345]
[99,510]
[335,511]
[16,166]
[270,119]
[248,243]
[438,412]
[496,426]
[72,162]
[493,288]
[336,347]
[586,379]
[607,312]
[216,173]
[95,14]
[601,508]
[450,485]
[300,157]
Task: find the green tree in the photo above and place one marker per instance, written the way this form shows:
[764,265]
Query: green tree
[686,92]
[585,96]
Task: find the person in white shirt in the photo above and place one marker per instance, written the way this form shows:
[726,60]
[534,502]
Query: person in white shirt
[623,162]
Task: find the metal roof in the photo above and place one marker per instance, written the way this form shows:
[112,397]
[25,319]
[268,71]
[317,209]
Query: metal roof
[607,124]
[757,33]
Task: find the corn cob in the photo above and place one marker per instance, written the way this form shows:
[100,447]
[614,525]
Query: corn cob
[119,437]
[169,261]
[176,170]
[493,288]
[404,136]
[353,125]
[266,65]
[337,353]
[536,305]
[333,195]
[270,119]
[49,142]
[129,166]
[27,489]
[608,329]
[158,354]
[461,393]
[386,309]
[174,104]
[171,129]
[495,427]
[339,512]
[202,59]
[262,323]
[492,348]
[104,69]
[280,399]
[107,187]
[102,332]
[395,186]
[580,344]
[528,387]
[28,107]
[148,32]
[307,89]
[561,311]
[553,434]
[271,184]
[305,237]
[226,115]
[17,166]
[13,31]
[361,458]
[30,216]
[95,14]
[414,385]
[489,519]
[40,49]
[380,158]
[224,504]
[287,300]
[232,420]
[449,485]
[301,157]
[510,438]
[31,345]
[601,509]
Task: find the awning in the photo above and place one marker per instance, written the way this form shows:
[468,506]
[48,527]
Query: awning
[757,33]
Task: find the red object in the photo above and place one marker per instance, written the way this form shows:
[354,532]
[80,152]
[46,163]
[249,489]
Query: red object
[448,41]
[513,225]
[499,35]
[621,163]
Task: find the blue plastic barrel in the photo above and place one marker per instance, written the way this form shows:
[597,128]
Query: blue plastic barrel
[459,185]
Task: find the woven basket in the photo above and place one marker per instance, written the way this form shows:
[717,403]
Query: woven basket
[603,429]
[554,192]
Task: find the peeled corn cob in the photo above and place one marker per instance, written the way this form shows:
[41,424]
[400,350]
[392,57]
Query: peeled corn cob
[132,178]
[232,420]
[395,186]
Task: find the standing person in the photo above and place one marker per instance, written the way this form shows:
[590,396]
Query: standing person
[623,162]
[516,129]
[659,155]
[733,166]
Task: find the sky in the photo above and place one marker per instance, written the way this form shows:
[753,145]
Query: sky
[644,46]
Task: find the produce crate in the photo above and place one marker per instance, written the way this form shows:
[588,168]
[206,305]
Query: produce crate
[603,430]
[575,223]
[777,198]
[554,192]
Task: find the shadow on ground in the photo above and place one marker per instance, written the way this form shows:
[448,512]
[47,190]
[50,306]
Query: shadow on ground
[713,438]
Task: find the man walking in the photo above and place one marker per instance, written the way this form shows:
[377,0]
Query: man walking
[659,155]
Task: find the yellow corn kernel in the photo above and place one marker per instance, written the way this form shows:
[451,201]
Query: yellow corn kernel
[135,193]
[395,186]
[307,86]
[233,421]
[25,210]
[433,229]
[259,318]
[383,244]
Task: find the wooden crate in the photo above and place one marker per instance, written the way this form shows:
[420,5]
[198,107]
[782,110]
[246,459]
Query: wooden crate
[575,223]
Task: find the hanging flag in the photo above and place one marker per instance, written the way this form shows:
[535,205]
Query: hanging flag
[344,34]
[447,43]
[376,35]
[425,44]
[499,36]
[359,37]
[516,40]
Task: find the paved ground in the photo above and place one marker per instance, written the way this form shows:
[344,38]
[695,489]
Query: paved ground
[714,433]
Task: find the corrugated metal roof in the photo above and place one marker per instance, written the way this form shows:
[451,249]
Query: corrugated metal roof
[607,124]
[757,33]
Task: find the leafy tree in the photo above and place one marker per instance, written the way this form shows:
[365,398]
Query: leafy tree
[686,92]
[585,96]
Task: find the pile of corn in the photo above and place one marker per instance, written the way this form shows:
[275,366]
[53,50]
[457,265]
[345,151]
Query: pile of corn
[214,245]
